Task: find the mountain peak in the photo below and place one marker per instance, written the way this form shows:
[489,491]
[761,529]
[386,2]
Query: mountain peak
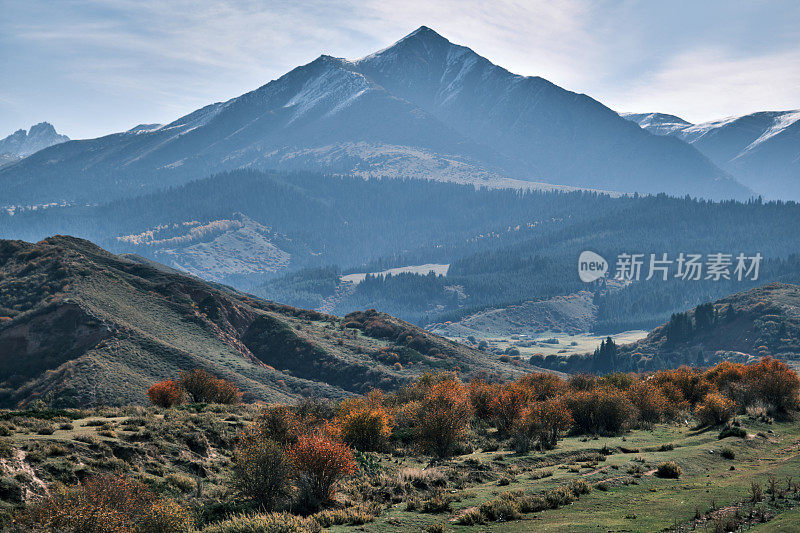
[422,36]
[22,143]
[424,32]
[42,128]
[423,39]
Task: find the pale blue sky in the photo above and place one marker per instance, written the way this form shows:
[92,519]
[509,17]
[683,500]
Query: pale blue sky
[94,67]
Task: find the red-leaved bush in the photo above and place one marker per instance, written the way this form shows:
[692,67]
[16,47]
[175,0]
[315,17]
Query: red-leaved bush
[166,394]
[319,463]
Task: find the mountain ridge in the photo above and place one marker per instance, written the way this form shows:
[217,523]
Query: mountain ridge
[760,149]
[84,326]
[423,107]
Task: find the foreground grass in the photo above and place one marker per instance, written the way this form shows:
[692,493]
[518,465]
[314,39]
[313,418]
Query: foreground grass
[185,453]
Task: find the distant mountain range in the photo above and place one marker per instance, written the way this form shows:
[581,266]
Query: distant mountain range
[761,150]
[422,108]
[23,143]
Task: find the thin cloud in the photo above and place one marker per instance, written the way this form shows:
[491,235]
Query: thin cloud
[707,84]
[95,66]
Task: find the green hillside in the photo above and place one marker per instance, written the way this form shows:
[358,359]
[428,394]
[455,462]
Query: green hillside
[741,327]
[80,326]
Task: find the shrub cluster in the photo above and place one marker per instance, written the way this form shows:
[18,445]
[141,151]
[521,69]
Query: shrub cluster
[284,457]
[512,505]
[196,385]
[106,504]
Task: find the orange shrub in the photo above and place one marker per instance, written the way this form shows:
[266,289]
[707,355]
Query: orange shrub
[429,379]
[619,380]
[364,423]
[543,422]
[725,373]
[602,410]
[166,394]
[481,396]
[442,417]
[690,382]
[319,463]
[106,504]
[204,387]
[224,391]
[728,377]
[197,384]
[774,383]
[582,381]
[508,404]
[651,402]
[542,386]
[715,409]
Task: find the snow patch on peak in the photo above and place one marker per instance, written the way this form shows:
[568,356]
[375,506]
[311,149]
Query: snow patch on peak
[780,122]
[144,128]
[335,88]
[658,123]
[705,127]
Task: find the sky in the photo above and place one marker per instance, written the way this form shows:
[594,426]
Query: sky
[94,67]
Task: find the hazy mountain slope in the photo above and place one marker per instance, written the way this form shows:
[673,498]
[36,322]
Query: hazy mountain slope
[546,132]
[295,121]
[421,108]
[92,327]
[7,159]
[23,143]
[761,150]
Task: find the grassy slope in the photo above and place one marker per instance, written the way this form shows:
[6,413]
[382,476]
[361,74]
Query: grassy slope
[766,321]
[761,313]
[162,448]
[89,327]
[654,502]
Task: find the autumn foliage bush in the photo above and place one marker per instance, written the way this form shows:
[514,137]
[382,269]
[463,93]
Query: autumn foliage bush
[542,422]
[442,417]
[715,409]
[481,396]
[107,504]
[166,394]
[652,404]
[603,410]
[508,404]
[364,423]
[278,423]
[198,385]
[261,471]
[202,386]
[774,383]
[318,464]
[690,383]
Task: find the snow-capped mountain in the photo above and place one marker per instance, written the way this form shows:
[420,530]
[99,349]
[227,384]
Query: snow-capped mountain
[423,108]
[23,143]
[761,150]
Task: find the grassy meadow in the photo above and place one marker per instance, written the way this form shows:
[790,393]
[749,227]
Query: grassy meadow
[680,450]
